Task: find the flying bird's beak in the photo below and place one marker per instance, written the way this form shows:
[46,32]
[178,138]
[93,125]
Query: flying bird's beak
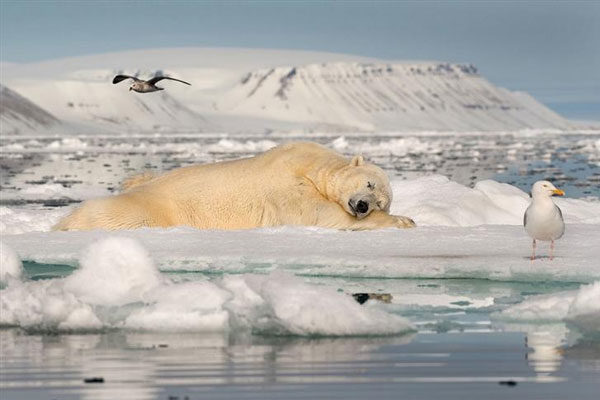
[130,89]
[558,192]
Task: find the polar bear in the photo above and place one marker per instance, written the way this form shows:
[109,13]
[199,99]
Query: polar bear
[299,183]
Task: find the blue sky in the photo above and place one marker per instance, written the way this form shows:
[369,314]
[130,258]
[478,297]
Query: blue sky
[548,48]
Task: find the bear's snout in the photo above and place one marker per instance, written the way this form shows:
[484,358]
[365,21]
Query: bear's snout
[362,207]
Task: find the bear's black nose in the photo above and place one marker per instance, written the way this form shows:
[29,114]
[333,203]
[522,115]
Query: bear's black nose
[362,207]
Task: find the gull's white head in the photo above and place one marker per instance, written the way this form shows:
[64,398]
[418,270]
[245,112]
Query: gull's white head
[545,189]
[136,86]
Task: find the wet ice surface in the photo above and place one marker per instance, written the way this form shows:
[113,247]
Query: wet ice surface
[207,327]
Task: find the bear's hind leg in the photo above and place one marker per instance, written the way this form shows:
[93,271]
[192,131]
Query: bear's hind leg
[109,213]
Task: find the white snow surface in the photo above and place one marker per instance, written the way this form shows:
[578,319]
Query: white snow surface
[118,286]
[258,90]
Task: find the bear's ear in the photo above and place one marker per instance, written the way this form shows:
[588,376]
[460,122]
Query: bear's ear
[357,161]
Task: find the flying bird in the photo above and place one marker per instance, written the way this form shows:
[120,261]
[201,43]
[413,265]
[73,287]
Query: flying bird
[543,220]
[148,86]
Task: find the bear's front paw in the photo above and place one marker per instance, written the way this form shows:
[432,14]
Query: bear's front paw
[404,222]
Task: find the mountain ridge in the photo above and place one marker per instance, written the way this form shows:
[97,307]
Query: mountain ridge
[245,90]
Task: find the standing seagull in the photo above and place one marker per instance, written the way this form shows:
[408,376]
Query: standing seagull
[148,86]
[543,220]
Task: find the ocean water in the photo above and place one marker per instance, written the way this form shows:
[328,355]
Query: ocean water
[269,313]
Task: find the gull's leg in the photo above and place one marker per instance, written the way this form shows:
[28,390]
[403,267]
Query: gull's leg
[533,251]
[552,250]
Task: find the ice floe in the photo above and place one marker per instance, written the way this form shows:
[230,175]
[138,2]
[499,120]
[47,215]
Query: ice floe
[580,307]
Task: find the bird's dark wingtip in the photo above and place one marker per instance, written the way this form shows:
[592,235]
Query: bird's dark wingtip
[119,78]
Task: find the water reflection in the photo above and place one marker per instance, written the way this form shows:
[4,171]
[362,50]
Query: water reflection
[546,355]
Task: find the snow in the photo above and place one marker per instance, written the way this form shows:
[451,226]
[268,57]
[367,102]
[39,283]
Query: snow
[385,95]
[118,286]
[258,90]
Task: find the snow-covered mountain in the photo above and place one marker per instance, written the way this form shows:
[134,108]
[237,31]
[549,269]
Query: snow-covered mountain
[17,114]
[87,97]
[387,96]
[249,90]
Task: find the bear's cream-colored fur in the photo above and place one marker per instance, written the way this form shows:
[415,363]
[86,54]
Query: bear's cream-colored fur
[294,184]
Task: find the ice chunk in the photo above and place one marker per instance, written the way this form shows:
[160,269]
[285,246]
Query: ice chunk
[10,264]
[114,271]
[580,307]
[584,310]
[282,304]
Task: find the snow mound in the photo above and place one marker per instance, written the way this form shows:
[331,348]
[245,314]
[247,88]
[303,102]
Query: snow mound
[114,271]
[435,200]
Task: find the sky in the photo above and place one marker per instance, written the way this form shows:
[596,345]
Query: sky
[550,49]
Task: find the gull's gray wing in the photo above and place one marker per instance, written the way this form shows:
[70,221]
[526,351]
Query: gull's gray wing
[120,78]
[160,78]
[525,216]
[559,212]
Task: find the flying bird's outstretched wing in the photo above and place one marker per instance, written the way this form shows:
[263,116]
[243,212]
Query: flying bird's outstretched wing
[160,78]
[120,78]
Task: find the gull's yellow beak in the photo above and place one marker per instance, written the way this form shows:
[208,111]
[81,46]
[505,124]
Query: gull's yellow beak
[558,192]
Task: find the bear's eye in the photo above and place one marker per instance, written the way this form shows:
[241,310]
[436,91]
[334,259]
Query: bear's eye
[371,185]
[379,205]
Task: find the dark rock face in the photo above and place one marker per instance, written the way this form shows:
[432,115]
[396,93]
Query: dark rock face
[16,111]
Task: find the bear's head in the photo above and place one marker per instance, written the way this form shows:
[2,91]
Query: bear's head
[361,187]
